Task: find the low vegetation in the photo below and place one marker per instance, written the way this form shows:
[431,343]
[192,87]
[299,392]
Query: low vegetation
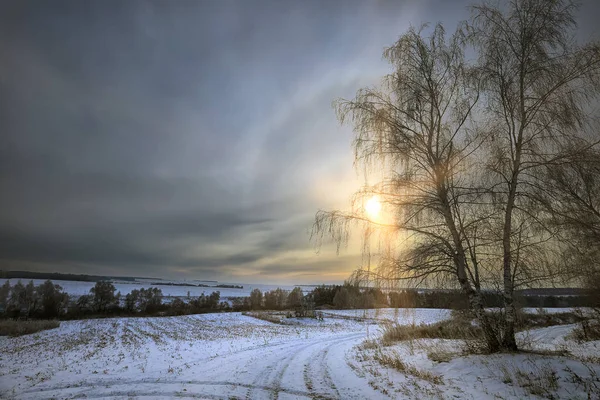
[394,360]
[440,330]
[461,326]
[13,328]
[276,318]
[589,328]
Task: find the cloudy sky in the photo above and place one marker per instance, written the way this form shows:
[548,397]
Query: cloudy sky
[186,139]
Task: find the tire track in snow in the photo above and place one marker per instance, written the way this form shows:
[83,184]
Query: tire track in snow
[87,389]
[288,361]
[273,377]
[318,366]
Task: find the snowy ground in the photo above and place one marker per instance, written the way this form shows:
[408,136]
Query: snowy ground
[225,356]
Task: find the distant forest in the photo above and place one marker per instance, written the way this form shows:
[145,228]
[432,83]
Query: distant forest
[57,276]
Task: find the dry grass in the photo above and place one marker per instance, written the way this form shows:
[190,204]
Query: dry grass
[9,327]
[274,317]
[440,356]
[588,330]
[393,361]
[369,344]
[542,319]
[451,329]
[542,381]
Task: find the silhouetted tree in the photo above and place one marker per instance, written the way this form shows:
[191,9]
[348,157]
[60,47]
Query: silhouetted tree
[462,149]
[52,298]
[537,82]
[294,299]
[104,296]
[4,293]
[256,299]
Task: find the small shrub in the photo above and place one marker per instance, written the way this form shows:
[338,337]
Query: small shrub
[13,328]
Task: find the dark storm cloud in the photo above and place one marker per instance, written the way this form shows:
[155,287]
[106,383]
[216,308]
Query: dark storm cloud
[186,138]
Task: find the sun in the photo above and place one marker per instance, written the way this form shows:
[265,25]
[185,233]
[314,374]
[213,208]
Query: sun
[373,207]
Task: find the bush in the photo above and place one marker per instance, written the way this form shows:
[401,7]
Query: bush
[17,300]
[53,299]
[294,299]
[13,328]
[256,299]
[204,303]
[178,307]
[344,299]
[104,297]
[276,299]
[149,300]
[323,295]
[4,293]
[84,304]
[240,303]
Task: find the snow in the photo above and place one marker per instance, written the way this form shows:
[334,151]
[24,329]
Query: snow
[230,355]
[210,355]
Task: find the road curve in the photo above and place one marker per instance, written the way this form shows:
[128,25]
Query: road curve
[302,368]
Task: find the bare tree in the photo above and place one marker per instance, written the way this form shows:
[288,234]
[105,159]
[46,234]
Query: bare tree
[462,153]
[413,132]
[537,81]
[574,203]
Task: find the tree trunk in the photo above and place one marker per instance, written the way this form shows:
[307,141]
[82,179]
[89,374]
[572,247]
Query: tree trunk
[489,331]
[460,261]
[508,338]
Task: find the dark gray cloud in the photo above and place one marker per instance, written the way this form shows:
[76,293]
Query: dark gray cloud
[187,138]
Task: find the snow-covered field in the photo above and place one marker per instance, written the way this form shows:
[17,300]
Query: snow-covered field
[229,356]
[78,288]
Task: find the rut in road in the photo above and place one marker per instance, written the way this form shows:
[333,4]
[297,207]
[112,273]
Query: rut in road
[300,368]
[273,376]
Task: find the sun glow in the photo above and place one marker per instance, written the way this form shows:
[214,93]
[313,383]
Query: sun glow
[373,207]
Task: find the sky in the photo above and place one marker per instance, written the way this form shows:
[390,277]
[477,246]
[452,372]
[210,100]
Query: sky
[187,139]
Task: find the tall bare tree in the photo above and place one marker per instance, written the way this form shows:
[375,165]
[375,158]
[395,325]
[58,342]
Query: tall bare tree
[414,132]
[574,203]
[537,81]
[464,152]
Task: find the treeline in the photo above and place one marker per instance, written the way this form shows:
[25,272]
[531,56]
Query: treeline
[352,297]
[57,276]
[455,299]
[48,301]
[222,286]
